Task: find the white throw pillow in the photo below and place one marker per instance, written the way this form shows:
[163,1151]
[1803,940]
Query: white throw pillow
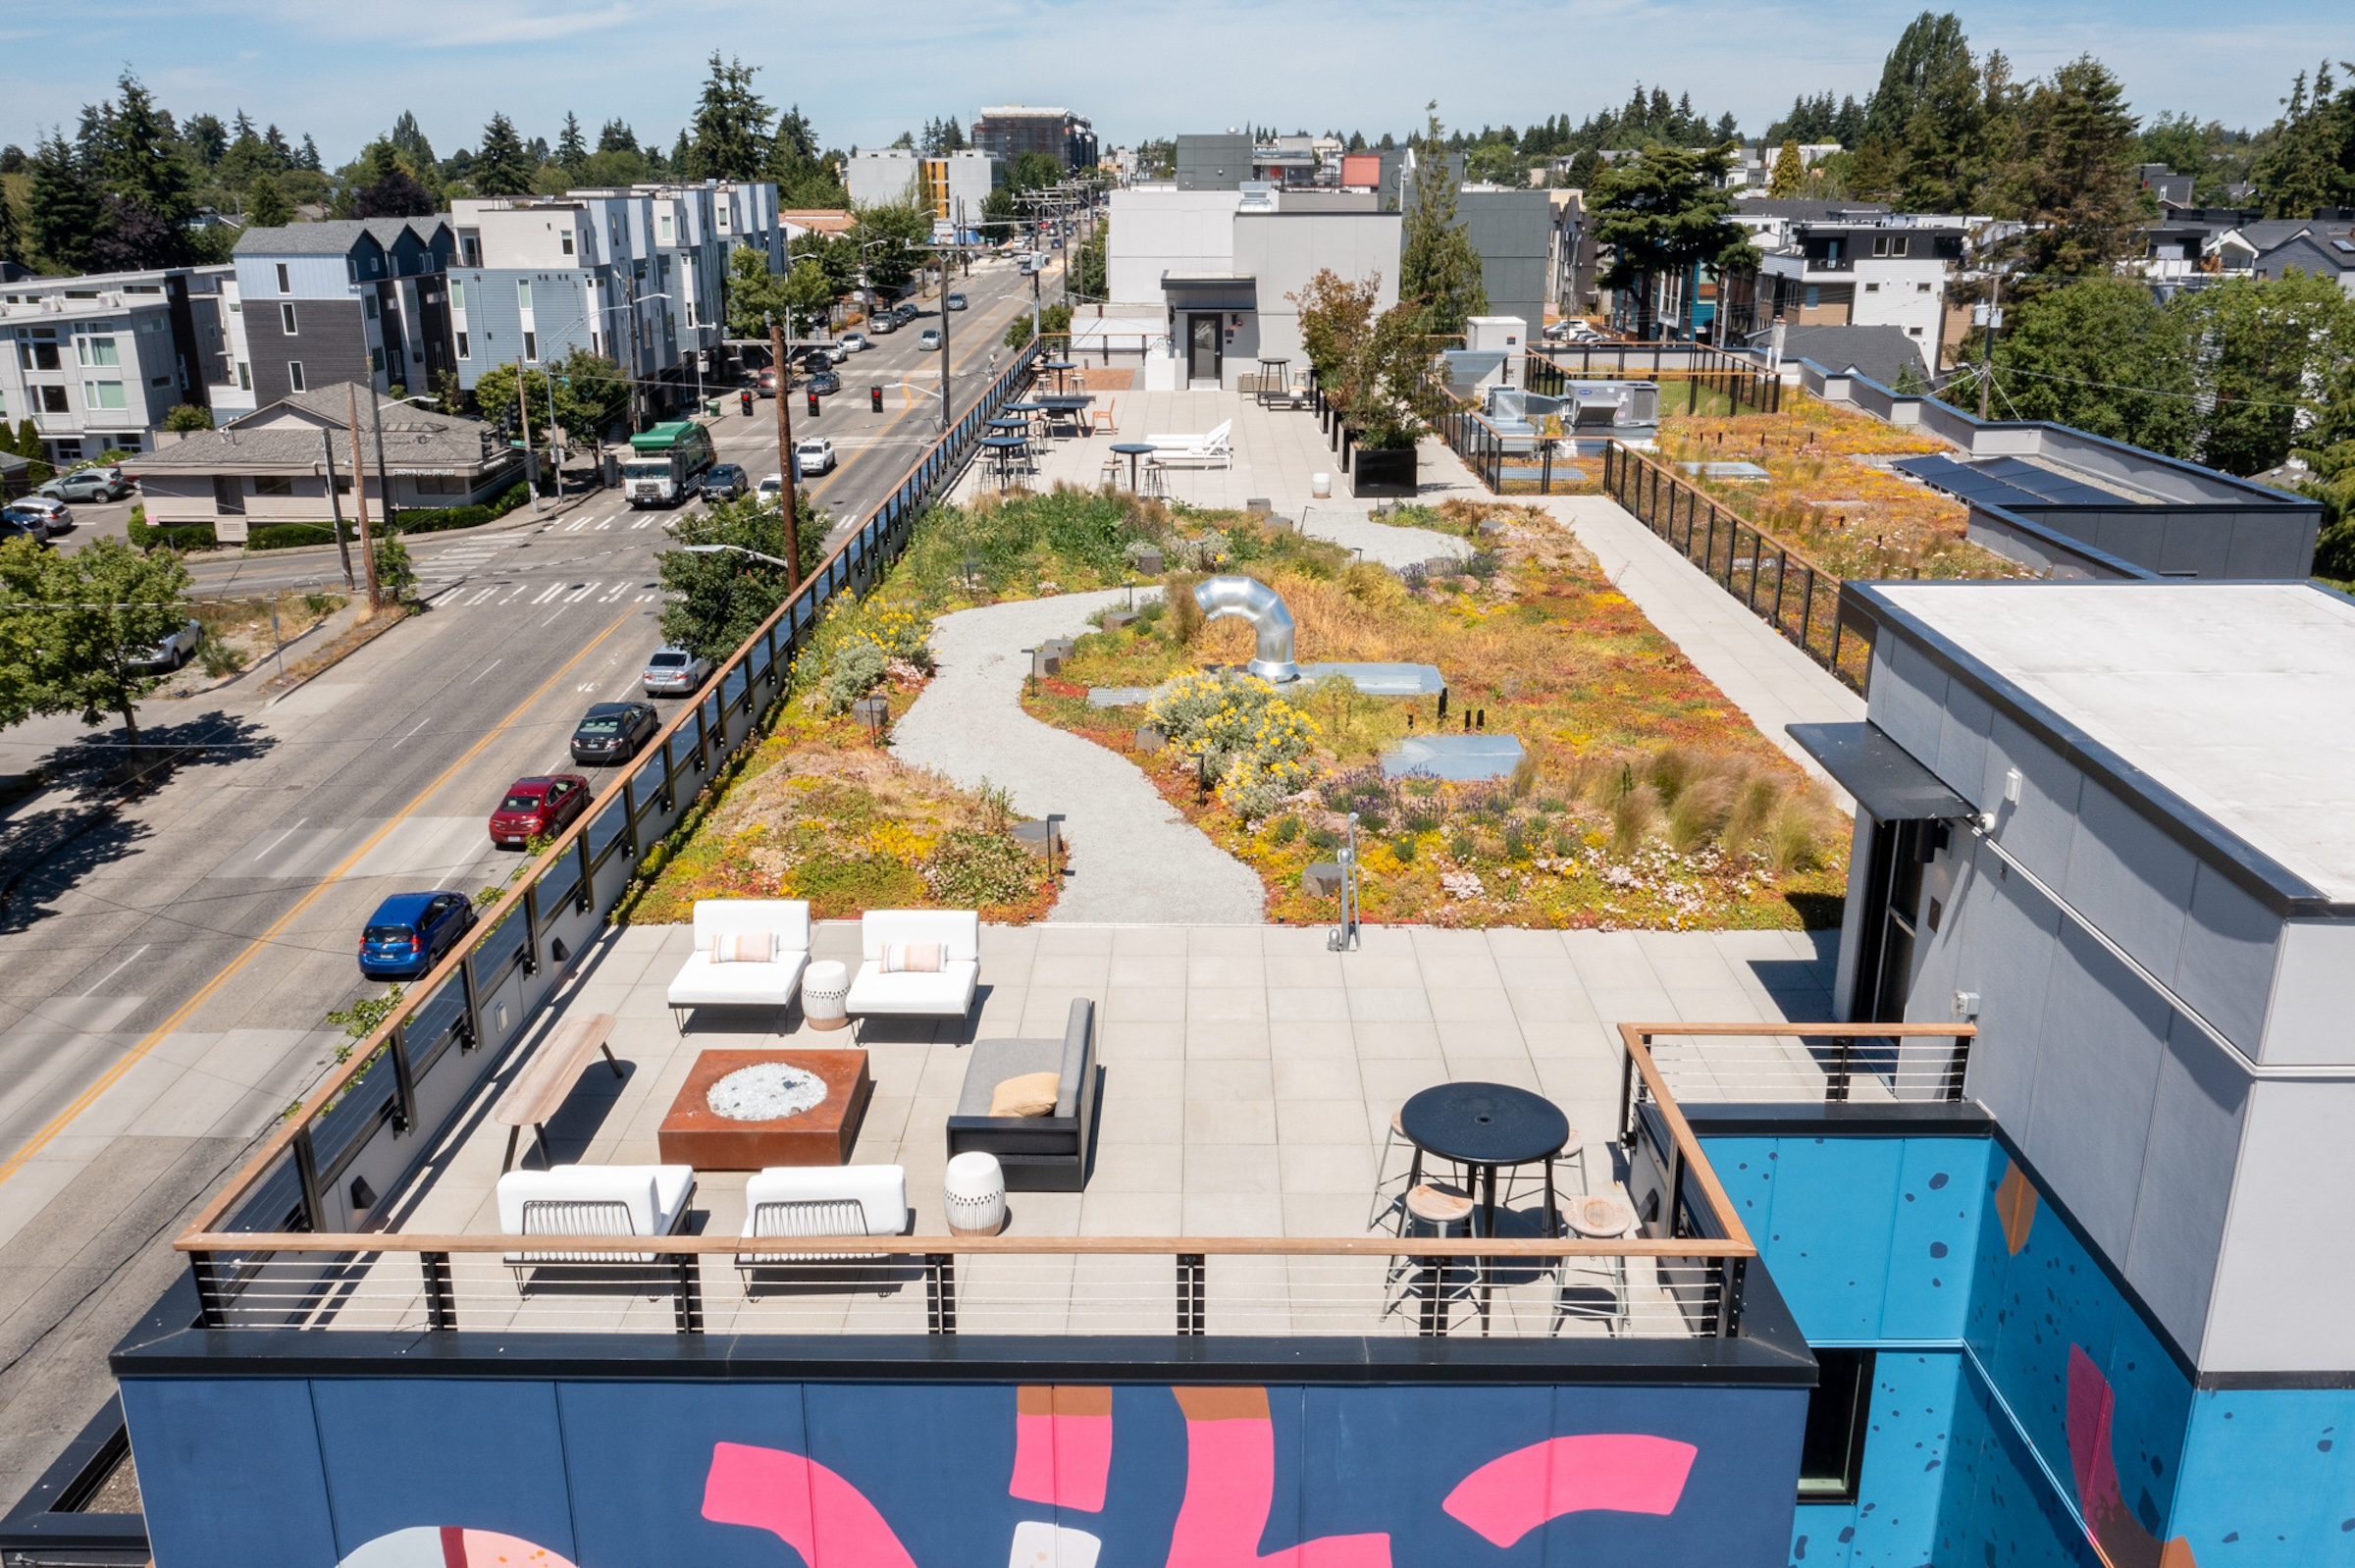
[745,947]
[914,958]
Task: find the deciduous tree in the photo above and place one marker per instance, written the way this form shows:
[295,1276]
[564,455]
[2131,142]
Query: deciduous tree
[73,625]
[712,602]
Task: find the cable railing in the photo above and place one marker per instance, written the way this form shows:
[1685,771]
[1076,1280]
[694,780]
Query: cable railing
[1778,584]
[362,1129]
[1747,386]
[1808,1063]
[1679,1274]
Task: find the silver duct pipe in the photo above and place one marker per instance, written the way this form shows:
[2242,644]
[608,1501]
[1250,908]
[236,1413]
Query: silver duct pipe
[1255,602]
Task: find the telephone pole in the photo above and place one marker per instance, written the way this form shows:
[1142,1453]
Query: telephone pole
[1995,316]
[947,269]
[788,514]
[359,493]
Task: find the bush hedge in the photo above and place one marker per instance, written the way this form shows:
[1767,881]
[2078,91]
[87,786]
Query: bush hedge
[171,536]
[420,520]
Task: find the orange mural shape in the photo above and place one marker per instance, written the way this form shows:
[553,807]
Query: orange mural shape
[2015,1207]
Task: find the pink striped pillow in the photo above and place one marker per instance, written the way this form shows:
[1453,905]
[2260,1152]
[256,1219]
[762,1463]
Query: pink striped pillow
[745,947]
[914,958]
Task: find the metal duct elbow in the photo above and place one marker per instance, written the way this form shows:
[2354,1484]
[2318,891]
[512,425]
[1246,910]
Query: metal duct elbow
[1255,602]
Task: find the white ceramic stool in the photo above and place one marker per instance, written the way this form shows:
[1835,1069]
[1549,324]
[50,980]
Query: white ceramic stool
[825,985]
[973,1192]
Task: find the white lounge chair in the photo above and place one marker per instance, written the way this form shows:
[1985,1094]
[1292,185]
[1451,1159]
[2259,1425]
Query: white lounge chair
[704,982]
[592,1200]
[848,1200]
[902,993]
[1214,446]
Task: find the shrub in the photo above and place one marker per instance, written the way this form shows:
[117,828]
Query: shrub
[1240,733]
[973,868]
[1404,849]
[856,670]
[1285,831]
[436,519]
[170,536]
[288,536]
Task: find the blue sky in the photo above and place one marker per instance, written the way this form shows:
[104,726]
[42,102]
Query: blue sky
[1143,68]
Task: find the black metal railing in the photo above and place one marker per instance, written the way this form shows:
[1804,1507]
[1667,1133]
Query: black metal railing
[362,1129]
[1747,386]
[1778,584]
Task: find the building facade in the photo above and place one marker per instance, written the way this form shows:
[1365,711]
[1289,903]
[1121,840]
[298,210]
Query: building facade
[1010,131]
[349,299]
[1884,272]
[97,361]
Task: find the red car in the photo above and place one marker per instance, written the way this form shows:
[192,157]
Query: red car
[535,807]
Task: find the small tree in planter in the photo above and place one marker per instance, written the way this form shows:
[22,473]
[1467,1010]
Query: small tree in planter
[1375,369]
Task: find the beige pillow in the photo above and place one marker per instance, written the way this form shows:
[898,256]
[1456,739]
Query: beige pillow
[1031,1094]
[914,958]
[745,947]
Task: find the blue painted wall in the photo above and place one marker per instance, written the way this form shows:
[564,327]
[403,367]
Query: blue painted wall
[294,1473]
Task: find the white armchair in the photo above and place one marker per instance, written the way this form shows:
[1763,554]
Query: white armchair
[949,993]
[592,1200]
[710,979]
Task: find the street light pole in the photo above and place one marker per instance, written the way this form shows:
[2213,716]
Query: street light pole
[789,516]
[956,243]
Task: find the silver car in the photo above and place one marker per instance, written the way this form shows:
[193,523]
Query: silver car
[172,651]
[675,672]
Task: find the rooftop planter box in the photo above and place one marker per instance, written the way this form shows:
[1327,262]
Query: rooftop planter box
[1381,472]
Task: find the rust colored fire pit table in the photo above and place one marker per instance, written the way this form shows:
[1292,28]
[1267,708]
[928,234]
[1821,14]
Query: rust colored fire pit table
[695,1133]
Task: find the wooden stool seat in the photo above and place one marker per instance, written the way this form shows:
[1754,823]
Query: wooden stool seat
[1439,1205]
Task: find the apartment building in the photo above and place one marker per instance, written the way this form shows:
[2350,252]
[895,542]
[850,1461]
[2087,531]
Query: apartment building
[539,277]
[349,299]
[97,361]
[1008,131]
[1859,271]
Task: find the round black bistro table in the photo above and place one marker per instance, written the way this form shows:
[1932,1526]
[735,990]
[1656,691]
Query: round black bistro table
[1484,1126]
[1132,450]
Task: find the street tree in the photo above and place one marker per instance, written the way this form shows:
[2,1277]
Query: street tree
[1662,214]
[837,256]
[1437,268]
[754,293]
[501,168]
[731,125]
[809,295]
[267,206]
[75,622]
[589,390]
[395,573]
[887,239]
[712,602]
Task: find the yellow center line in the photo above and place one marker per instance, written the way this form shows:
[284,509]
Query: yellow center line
[138,1053]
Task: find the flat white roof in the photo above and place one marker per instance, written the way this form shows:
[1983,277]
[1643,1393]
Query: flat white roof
[2231,695]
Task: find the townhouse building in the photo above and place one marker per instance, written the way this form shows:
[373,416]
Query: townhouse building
[1867,270]
[360,299]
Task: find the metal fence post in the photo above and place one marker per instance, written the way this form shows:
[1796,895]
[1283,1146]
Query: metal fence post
[306,1173]
[531,927]
[470,978]
[690,1303]
[940,1292]
[1192,1293]
[404,1080]
[209,1303]
[441,1300]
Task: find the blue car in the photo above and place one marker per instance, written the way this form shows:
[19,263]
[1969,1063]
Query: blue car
[412,932]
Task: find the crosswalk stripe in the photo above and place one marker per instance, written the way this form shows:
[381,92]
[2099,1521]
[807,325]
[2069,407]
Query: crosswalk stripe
[584,593]
[644,522]
[619,589]
[548,592]
[646,598]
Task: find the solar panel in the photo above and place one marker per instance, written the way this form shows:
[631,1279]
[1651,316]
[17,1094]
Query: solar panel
[2006,482]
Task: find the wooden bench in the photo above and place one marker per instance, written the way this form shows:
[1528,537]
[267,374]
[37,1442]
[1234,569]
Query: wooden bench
[540,1089]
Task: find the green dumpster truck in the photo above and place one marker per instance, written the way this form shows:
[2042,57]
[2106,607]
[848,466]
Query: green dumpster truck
[663,462]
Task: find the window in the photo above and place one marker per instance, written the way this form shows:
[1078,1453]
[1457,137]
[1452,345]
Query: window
[1915,331]
[285,285]
[666,223]
[102,394]
[96,350]
[523,294]
[1872,288]
[473,248]
[368,308]
[295,381]
[39,356]
[273,485]
[440,485]
[531,348]
[1814,296]
[245,376]
[375,359]
[464,352]
[1891,245]
[565,241]
[53,401]
[285,320]
[457,294]
[1921,288]
[1831,1452]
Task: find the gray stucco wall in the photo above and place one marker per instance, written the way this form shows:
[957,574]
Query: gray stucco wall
[1212,163]
[1513,232]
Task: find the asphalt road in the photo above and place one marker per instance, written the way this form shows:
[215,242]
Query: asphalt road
[169,960]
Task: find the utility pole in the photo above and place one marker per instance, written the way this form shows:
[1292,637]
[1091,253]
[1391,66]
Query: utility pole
[947,269]
[789,516]
[1995,316]
[335,506]
[531,467]
[359,493]
[384,481]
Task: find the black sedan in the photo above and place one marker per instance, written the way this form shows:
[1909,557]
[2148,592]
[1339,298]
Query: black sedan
[724,482]
[613,732]
[825,383]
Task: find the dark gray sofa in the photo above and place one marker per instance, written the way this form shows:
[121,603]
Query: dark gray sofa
[1040,1153]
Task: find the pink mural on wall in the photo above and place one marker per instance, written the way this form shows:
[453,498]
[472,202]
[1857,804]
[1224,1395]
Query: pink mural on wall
[1507,1498]
[1061,1446]
[1230,1485]
[452,1546]
[2121,1539]
[803,1503]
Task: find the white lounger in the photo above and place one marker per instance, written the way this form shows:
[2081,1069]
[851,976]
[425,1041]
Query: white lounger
[593,1200]
[846,1200]
[947,994]
[1213,447]
[700,982]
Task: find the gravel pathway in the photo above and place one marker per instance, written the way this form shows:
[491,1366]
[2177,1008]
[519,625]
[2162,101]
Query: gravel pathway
[1384,543]
[1134,858]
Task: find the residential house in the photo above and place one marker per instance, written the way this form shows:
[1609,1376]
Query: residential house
[1009,131]
[97,361]
[2322,249]
[291,461]
[1865,272]
[349,299]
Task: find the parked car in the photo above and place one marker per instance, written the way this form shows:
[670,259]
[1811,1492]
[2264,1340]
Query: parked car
[89,483]
[853,342]
[813,455]
[613,732]
[825,383]
[765,383]
[13,526]
[535,807]
[172,651]
[54,515]
[956,302]
[722,481]
[675,672]
[882,322]
[904,313]
[410,932]
[929,340]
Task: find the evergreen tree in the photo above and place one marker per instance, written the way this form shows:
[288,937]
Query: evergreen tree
[267,206]
[617,136]
[409,141]
[2309,162]
[1789,172]
[501,168]
[682,154]
[282,156]
[62,212]
[386,187]
[12,233]
[1929,56]
[1663,213]
[308,158]
[1437,268]
[140,160]
[2074,181]
[731,125]
[206,139]
[571,151]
